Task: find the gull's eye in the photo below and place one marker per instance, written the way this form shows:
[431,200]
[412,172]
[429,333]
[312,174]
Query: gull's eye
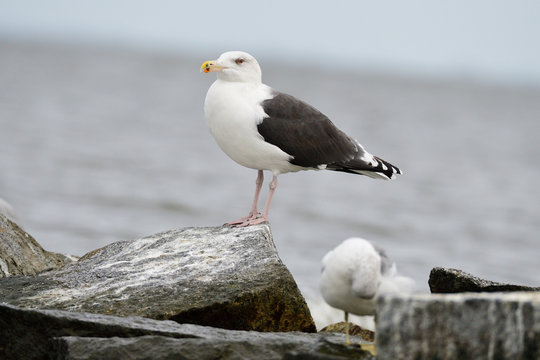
[239,61]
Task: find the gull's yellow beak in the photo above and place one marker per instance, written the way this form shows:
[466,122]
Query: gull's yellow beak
[211,66]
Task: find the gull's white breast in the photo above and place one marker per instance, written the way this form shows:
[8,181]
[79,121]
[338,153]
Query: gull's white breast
[351,276]
[232,111]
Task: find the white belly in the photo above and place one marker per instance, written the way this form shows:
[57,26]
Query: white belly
[232,121]
[337,293]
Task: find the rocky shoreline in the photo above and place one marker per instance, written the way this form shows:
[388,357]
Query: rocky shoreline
[57,334]
[225,277]
[221,292]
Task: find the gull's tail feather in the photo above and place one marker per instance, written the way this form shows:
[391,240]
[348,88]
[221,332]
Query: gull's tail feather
[374,167]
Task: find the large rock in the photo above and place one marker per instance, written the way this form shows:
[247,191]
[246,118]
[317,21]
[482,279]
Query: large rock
[443,280]
[54,334]
[459,326]
[225,277]
[20,253]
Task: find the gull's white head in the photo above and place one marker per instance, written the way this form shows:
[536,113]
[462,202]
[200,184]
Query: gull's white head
[236,66]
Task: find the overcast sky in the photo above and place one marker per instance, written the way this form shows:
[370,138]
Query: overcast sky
[493,39]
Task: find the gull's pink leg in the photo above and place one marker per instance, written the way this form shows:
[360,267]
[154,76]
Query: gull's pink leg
[273,186]
[253,213]
[264,217]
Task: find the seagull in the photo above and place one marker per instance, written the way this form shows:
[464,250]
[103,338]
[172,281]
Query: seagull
[355,274]
[7,210]
[264,129]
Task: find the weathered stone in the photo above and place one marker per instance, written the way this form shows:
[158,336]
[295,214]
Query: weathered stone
[225,277]
[250,346]
[459,326]
[442,280]
[55,334]
[20,253]
[354,329]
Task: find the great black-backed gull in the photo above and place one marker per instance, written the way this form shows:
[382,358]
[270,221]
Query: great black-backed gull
[355,274]
[263,129]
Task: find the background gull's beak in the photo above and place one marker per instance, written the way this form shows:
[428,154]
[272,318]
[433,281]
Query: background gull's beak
[211,66]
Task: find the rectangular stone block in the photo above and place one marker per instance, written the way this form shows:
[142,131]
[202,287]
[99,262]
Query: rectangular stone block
[459,326]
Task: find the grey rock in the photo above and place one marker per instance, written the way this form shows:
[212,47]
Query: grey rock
[443,280]
[225,277]
[55,334]
[459,326]
[20,253]
[247,346]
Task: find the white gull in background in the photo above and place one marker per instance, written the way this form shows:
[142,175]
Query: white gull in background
[355,274]
[263,129]
[7,210]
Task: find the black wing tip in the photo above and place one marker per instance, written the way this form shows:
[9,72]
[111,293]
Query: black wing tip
[385,168]
[378,169]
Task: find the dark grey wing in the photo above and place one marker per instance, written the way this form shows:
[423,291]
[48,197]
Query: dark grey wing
[386,263]
[304,132]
